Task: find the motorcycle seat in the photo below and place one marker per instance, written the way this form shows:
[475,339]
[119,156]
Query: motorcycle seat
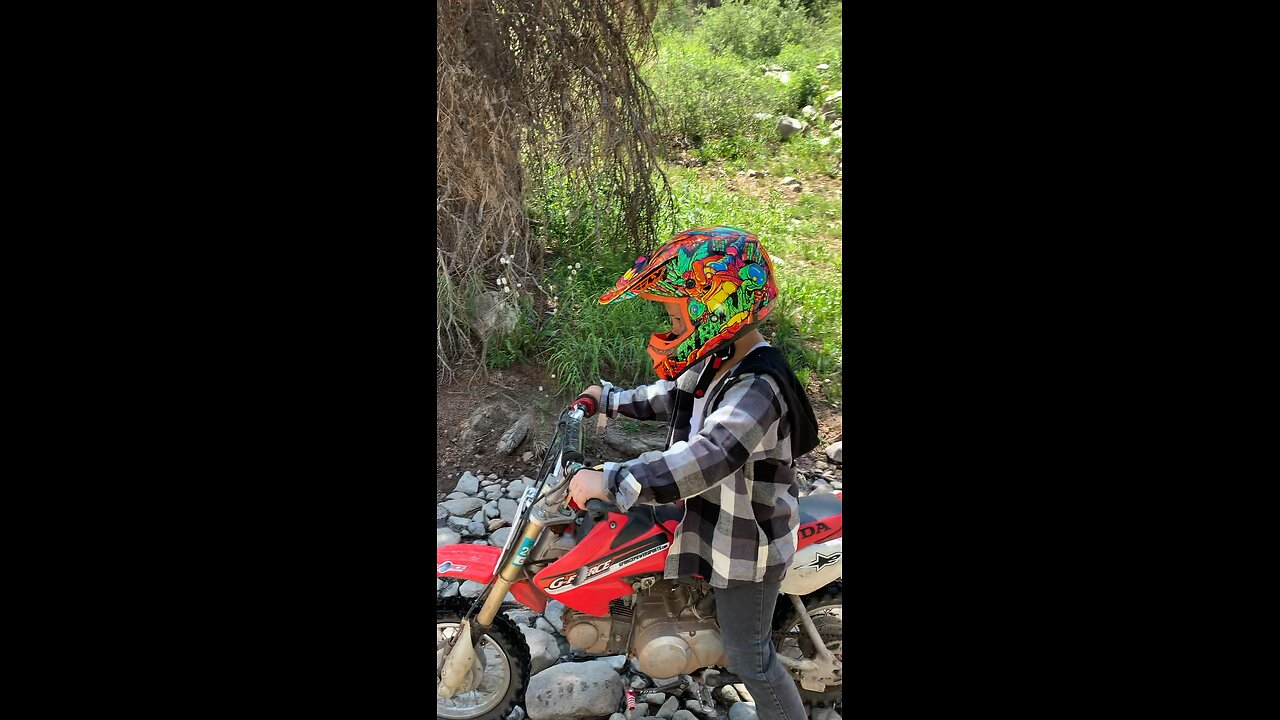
[819,507]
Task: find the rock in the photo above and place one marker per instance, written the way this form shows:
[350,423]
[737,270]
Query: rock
[493,476]
[450,590]
[499,536]
[617,662]
[456,495]
[517,713]
[655,698]
[830,101]
[696,706]
[743,692]
[634,443]
[440,586]
[445,536]
[463,507]
[783,76]
[743,711]
[471,589]
[761,116]
[515,435]
[527,457]
[835,124]
[496,523]
[683,715]
[823,66]
[479,516]
[491,509]
[642,710]
[495,315]
[468,483]
[837,484]
[480,542]
[515,489]
[791,184]
[809,111]
[507,509]
[756,173]
[829,116]
[543,649]
[493,493]
[638,683]
[554,613]
[789,126]
[838,134]
[669,707]
[476,528]
[442,517]
[835,451]
[617,716]
[459,525]
[825,713]
[571,691]
[727,694]
[543,625]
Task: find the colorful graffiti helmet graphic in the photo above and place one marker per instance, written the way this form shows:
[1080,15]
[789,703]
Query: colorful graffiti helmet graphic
[716,281]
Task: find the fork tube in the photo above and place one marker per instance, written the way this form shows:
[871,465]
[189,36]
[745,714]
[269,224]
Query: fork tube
[510,573]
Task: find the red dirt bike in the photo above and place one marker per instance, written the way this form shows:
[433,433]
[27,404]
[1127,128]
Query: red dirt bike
[606,567]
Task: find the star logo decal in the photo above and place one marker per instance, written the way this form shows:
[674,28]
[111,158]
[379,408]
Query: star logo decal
[822,561]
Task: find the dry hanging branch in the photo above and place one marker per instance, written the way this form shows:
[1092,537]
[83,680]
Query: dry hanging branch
[531,92]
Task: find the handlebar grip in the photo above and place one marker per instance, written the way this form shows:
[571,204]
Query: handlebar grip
[573,440]
[600,509]
[587,403]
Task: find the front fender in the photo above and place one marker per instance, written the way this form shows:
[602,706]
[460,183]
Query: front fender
[477,562]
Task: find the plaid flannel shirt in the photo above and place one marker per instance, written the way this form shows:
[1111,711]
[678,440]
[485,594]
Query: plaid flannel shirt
[736,477]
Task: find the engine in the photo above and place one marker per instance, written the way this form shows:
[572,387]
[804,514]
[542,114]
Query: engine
[670,626]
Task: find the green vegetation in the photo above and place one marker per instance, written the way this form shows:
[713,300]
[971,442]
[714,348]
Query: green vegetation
[713,92]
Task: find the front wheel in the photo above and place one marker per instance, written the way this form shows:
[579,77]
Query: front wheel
[490,692]
[826,608]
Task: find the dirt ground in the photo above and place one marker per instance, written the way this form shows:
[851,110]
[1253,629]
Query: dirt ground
[518,388]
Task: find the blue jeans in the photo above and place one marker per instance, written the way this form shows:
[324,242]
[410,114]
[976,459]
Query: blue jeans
[745,615]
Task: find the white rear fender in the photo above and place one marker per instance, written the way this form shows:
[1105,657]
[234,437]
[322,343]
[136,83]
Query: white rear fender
[813,567]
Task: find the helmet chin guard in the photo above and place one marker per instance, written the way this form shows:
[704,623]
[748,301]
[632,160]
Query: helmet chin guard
[716,282]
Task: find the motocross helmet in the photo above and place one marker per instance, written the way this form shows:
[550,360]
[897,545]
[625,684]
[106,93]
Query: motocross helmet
[717,280]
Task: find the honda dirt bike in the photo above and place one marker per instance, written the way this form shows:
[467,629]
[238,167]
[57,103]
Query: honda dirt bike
[606,567]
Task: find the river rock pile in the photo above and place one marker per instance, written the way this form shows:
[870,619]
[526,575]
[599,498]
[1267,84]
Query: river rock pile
[480,510]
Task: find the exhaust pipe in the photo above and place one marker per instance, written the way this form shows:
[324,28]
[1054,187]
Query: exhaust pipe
[460,660]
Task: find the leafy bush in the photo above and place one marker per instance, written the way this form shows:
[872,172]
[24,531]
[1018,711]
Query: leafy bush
[758,30]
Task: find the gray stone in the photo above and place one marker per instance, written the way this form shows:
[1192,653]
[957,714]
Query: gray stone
[617,662]
[517,713]
[528,456]
[496,523]
[456,495]
[493,493]
[515,489]
[471,589]
[450,590]
[543,625]
[743,711]
[809,111]
[445,536]
[507,509]
[825,713]
[835,451]
[837,484]
[788,126]
[476,528]
[617,716]
[655,698]
[468,483]
[491,509]
[515,434]
[554,613]
[669,707]
[499,536]
[728,694]
[836,124]
[683,715]
[442,517]
[459,525]
[638,683]
[493,477]
[479,516]
[480,542]
[543,649]
[823,66]
[830,102]
[440,586]
[635,442]
[463,507]
[495,315]
[696,706]
[642,710]
[571,691]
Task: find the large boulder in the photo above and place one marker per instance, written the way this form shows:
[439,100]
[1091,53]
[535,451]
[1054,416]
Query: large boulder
[515,434]
[788,126]
[543,649]
[468,483]
[571,691]
[495,314]
[463,507]
[635,441]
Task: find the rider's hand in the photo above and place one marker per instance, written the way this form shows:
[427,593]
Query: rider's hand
[587,484]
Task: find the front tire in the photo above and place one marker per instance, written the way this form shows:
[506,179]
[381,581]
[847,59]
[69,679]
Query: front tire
[503,653]
[825,607]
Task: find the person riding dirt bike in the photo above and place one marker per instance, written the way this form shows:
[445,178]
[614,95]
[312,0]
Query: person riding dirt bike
[738,418]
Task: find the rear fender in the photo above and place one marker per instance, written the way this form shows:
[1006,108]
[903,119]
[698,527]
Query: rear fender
[477,563]
[814,566]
